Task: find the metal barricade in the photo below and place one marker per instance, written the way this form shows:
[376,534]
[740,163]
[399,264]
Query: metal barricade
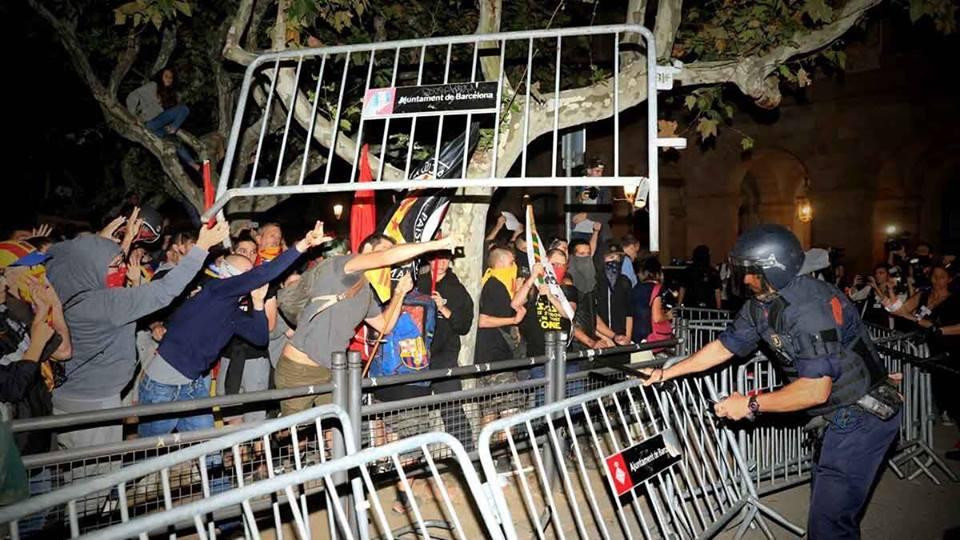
[288,490]
[706,316]
[169,481]
[774,446]
[514,86]
[903,354]
[552,484]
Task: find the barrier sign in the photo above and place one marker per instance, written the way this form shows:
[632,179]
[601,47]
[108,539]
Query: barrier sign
[640,462]
[437,99]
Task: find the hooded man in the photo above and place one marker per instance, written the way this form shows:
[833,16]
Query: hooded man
[102,320]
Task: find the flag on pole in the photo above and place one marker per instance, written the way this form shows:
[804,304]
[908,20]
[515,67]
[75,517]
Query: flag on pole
[208,191]
[537,253]
[363,211]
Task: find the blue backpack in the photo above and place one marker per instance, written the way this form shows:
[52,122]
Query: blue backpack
[407,348]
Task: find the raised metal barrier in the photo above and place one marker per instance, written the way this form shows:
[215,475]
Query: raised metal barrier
[288,490]
[224,463]
[570,474]
[407,98]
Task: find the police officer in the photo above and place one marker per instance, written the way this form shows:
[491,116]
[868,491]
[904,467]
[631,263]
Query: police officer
[830,365]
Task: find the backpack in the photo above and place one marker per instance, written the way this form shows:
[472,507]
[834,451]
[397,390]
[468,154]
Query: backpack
[407,348]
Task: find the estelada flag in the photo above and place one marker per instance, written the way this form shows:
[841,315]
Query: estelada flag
[418,215]
[537,253]
[363,211]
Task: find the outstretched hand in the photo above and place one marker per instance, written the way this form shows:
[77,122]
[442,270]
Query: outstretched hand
[313,238]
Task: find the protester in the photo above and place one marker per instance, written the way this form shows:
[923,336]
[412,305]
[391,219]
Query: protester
[454,320]
[631,252]
[345,301]
[651,319]
[158,106]
[102,321]
[613,295]
[197,332]
[701,283]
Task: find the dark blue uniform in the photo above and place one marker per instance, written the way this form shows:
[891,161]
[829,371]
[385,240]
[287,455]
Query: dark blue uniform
[815,331]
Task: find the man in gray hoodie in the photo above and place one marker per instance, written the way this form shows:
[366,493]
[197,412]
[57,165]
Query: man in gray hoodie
[102,322]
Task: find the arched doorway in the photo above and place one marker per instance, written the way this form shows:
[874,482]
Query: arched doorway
[770,183]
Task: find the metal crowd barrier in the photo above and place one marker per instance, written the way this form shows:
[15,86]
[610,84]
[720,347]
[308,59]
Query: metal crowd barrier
[346,518]
[905,354]
[774,445]
[553,482]
[224,463]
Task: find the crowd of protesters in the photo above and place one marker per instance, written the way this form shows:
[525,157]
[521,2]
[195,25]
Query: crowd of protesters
[138,313]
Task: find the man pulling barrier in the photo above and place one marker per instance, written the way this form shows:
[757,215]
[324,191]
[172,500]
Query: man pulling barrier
[815,337]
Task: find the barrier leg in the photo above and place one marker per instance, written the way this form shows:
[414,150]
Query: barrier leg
[358,514]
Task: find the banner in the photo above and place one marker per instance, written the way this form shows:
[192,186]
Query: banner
[417,217]
[537,253]
[431,100]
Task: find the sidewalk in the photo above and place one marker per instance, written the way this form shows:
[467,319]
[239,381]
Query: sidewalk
[914,509]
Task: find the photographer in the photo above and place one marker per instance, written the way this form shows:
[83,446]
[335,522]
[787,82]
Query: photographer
[870,294]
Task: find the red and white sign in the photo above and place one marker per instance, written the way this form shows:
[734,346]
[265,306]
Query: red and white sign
[617,469]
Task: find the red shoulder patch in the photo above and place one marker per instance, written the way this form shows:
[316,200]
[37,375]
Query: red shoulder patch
[837,308]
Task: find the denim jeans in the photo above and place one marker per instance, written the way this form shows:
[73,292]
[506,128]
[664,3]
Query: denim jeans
[154,392]
[854,447]
[172,118]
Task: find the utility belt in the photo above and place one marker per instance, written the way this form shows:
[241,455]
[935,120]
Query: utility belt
[882,401]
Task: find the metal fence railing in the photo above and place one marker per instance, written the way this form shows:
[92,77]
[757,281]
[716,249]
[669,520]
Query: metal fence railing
[561,473]
[223,463]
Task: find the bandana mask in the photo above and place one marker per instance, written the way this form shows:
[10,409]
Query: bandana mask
[507,276]
[612,270]
[227,270]
[560,270]
[268,254]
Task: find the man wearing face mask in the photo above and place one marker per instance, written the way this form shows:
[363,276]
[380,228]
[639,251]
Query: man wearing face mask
[498,316]
[545,313]
[102,322]
[590,330]
[203,325]
[613,295]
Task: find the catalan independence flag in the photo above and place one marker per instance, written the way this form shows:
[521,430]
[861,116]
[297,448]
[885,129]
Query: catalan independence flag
[537,253]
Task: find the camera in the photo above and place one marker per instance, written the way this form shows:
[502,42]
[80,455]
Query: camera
[589,194]
[669,298]
[892,245]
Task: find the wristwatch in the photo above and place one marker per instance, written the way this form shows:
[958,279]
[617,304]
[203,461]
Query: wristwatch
[753,405]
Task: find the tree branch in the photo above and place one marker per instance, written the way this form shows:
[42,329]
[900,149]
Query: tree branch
[116,115]
[124,61]
[231,47]
[168,42]
[278,39]
[259,11]
[753,74]
[666,26]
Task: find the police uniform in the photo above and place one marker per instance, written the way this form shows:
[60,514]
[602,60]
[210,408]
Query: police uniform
[815,331]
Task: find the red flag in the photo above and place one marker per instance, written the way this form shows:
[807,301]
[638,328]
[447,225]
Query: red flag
[363,211]
[208,192]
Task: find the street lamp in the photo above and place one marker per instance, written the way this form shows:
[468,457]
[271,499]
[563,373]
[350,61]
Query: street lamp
[891,230]
[804,210]
[337,210]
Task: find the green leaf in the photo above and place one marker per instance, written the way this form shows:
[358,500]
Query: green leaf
[119,17]
[917,10]
[818,11]
[707,128]
[690,102]
[746,144]
[183,7]
[345,124]
[786,73]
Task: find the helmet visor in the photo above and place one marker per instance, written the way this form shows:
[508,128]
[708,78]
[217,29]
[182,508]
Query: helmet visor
[739,270]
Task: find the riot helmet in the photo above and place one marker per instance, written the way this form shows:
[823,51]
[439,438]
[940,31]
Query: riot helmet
[769,251]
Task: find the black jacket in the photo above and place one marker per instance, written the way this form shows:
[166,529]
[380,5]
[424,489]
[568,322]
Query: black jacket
[445,347]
